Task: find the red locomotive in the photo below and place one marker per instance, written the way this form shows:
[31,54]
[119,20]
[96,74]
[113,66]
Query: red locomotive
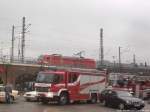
[59,60]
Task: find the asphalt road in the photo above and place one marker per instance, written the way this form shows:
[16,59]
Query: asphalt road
[22,106]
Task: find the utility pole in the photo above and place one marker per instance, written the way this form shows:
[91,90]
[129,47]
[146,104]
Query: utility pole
[23,40]
[12,46]
[119,58]
[101,49]
[19,51]
[24,30]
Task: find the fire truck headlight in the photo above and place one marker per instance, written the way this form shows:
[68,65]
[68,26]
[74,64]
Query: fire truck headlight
[50,94]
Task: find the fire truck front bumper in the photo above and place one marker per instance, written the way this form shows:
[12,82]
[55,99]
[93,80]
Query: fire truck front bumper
[47,96]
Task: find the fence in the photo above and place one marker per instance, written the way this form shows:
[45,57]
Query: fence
[27,60]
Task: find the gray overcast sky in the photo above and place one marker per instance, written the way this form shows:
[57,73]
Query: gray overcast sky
[69,26]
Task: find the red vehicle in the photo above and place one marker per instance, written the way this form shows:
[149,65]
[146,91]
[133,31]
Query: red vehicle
[69,85]
[121,81]
[143,86]
[138,85]
[59,60]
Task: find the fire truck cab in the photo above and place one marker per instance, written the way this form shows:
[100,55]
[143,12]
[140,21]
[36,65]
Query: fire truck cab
[69,85]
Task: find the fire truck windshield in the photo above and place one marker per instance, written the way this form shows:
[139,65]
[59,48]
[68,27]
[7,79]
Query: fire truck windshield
[48,78]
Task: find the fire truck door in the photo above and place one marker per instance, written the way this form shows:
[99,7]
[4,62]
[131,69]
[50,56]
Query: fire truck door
[73,85]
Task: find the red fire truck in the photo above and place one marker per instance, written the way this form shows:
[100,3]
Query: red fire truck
[143,86]
[121,81]
[69,85]
[139,85]
[59,60]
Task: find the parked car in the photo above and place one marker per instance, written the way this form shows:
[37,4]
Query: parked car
[13,95]
[31,96]
[120,99]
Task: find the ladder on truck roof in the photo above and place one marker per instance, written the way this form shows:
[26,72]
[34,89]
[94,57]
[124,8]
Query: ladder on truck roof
[80,70]
[88,71]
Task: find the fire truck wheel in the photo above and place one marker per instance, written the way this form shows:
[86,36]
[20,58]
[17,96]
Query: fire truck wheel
[94,98]
[63,99]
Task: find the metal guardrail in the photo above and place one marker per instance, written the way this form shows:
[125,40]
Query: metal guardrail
[27,60]
[5,59]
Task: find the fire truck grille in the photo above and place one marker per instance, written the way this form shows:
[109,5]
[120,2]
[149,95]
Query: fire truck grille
[42,89]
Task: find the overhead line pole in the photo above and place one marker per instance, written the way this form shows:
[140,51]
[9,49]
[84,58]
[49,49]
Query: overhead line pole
[101,49]
[23,40]
[12,47]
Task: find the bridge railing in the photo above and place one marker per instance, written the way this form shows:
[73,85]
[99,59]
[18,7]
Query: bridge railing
[27,60]
[5,59]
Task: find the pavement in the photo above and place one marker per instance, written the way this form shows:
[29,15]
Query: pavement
[22,106]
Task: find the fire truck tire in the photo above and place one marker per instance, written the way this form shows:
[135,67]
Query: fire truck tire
[63,98]
[93,99]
